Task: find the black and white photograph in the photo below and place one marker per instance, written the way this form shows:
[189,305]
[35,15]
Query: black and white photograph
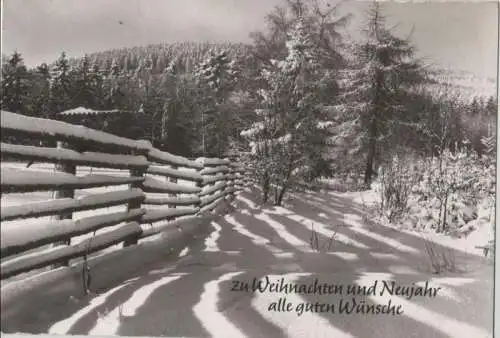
[245,169]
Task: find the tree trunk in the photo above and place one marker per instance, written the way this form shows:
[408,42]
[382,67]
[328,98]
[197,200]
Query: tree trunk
[443,228]
[373,130]
[441,214]
[371,152]
[286,183]
[281,194]
[265,188]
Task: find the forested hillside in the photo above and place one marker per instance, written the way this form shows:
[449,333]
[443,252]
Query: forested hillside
[158,84]
[185,56]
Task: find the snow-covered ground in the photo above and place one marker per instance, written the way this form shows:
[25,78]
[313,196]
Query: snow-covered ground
[368,200]
[217,323]
[206,306]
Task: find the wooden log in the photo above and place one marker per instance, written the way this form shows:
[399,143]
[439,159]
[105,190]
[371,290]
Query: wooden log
[60,254]
[209,207]
[215,170]
[213,188]
[175,173]
[207,180]
[212,162]
[40,209]
[21,238]
[209,199]
[178,223]
[45,129]
[15,180]
[238,189]
[239,183]
[213,203]
[162,157]
[134,204]
[155,215]
[172,180]
[61,155]
[178,201]
[231,181]
[199,185]
[155,186]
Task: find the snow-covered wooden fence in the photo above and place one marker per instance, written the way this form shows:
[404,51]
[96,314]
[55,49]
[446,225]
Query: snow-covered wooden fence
[161,190]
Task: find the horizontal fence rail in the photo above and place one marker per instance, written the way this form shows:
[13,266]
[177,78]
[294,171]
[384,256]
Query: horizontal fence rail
[106,191]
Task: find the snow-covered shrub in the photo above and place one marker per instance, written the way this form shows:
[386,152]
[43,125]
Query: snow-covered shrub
[452,187]
[397,178]
[440,259]
[325,245]
[452,190]
[286,141]
[453,193]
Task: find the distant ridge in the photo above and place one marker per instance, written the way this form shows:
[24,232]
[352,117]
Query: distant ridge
[187,54]
[467,84]
[184,54]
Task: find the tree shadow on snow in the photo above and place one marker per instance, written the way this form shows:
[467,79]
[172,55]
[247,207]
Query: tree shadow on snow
[254,242]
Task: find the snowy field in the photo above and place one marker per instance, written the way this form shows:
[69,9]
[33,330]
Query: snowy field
[368,200]
[270,242]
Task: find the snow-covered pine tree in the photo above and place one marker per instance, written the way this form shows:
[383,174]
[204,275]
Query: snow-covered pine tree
[114,68]
[322,21]
[114,83]
[61,85]
[286,140]
[216,77]
[83,94]
[41,92]
[179,113]
[14,83]
[97,85]
[106,69]
[379,79]
[219,72]
[489,141]
[491,106]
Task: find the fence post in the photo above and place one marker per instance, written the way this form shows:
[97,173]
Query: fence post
[172,180]
[64,193]
[232,180]
[199,184]
[136,204]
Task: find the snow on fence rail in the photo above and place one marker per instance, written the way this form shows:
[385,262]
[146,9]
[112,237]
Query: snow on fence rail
[45,129]
[161,190]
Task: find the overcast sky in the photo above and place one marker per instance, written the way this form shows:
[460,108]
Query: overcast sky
[452,34]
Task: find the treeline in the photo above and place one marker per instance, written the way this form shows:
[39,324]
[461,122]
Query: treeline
[184,55]
[309,102]
[180,96]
